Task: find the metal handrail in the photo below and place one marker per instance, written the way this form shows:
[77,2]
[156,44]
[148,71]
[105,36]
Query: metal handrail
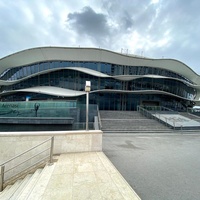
[3,165]
[26,160]
[145,112]
[148,114]
[99,117]
[30,166]
[25,152]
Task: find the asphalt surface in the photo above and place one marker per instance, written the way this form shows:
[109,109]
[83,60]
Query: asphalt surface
[157,166]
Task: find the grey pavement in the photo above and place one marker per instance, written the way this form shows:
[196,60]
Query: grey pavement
[157,166]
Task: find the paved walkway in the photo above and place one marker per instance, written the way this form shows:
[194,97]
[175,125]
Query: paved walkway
[87,176]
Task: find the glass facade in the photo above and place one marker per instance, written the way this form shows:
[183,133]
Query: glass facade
[46,109]
[106,68]
[170,89]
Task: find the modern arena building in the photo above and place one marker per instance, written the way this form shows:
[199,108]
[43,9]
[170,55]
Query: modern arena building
[118,81]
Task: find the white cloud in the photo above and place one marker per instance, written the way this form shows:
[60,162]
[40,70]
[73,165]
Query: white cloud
[154,1]
[154,28]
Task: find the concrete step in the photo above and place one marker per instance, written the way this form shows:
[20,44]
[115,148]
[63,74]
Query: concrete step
[29,186]
[126,126]
[42,183]
[5,192]
[21,187]
[137,131]
[172,131]
[120,114]
[13,189]
[130,121]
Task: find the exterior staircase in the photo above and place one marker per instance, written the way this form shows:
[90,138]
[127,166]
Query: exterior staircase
[31,187]
[129,122]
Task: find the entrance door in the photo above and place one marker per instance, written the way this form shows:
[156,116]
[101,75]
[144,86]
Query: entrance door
[150,103]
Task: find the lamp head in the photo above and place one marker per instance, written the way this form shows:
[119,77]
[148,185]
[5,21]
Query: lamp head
[87,86]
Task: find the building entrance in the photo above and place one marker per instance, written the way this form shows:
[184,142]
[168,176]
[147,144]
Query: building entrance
[150,103]
[117,101]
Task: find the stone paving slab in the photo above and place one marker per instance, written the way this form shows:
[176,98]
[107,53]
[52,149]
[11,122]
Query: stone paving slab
[87,176]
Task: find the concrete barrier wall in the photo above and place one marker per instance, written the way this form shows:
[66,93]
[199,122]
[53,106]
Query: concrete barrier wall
[14,143]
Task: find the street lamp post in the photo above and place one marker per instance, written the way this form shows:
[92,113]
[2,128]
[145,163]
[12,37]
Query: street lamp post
[87,90]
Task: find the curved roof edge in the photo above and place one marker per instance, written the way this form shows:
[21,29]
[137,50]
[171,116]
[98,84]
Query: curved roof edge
[49,90]
[56,91]
[97,74]
[39,54]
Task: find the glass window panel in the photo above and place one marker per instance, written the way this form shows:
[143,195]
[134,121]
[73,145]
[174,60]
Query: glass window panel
[28,71]
[24,71]
[40,67]
[45,66]
[21,73]
[56,64]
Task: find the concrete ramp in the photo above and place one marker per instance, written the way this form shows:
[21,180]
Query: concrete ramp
[177,121]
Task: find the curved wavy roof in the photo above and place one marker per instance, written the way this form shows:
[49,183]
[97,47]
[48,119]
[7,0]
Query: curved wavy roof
[97,74]
[61,92]
[41,54]
[50,90]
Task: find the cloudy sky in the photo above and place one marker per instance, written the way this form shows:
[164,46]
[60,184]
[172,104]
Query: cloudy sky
[151,28]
